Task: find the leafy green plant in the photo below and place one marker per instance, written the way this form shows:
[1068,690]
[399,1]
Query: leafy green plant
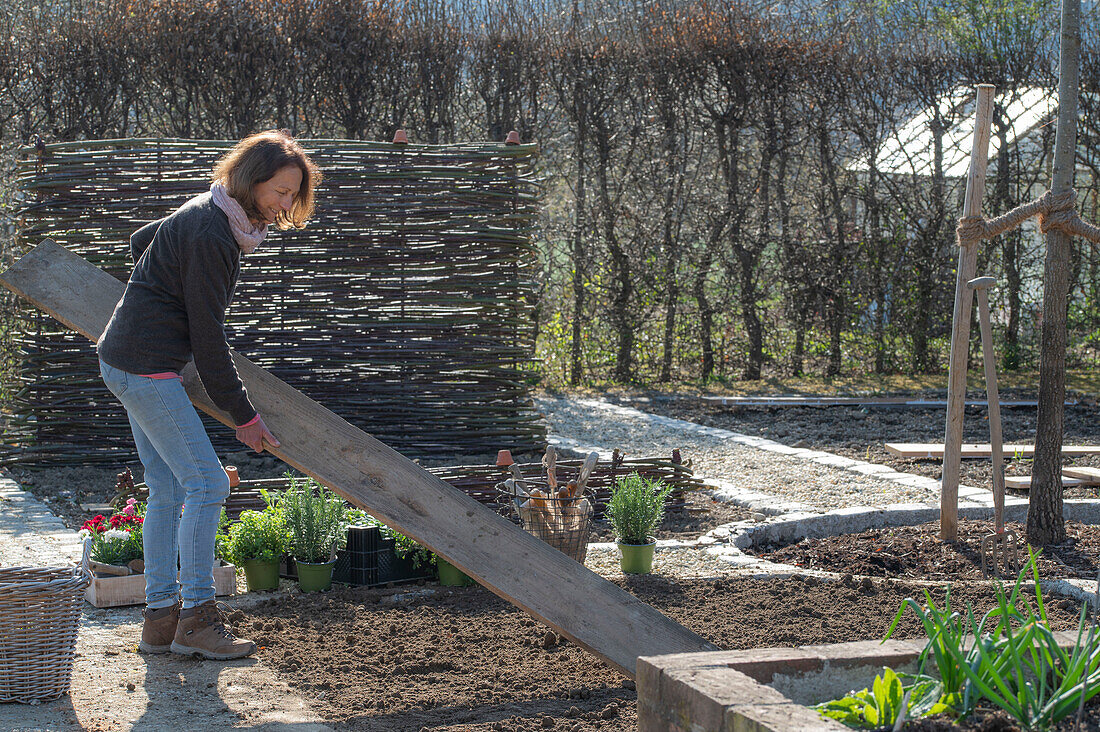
[1019,665]
[316,518]
[886,699]
[258,535]
[637,505]
[1010,657]
[404,547]
[359,517]
[410,549]
[947,633]
[222,537]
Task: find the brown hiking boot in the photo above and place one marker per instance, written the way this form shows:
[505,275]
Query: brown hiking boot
[159,629]
[202,631]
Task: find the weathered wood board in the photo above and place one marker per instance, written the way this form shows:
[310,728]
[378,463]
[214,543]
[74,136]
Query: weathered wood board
[1087,476]
[578,603]
[794,400]
[130,590]
[972,450]
[1023,482]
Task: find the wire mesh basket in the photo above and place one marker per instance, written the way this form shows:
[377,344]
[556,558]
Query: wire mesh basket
[39,619]
[562,522]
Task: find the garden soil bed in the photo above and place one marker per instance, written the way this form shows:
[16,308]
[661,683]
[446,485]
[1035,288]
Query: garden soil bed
[994,720]
[917,552]
[860,433]
[462,659]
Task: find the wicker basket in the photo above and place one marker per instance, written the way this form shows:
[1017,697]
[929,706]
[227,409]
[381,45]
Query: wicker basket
[39,618]
[564,524]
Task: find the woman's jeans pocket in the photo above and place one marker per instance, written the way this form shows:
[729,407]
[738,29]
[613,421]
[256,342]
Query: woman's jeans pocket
[115,379]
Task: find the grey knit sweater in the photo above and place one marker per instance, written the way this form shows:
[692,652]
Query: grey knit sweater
[173,309]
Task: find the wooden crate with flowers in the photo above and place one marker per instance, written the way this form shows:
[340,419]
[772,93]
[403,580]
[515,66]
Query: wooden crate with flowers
[117,559]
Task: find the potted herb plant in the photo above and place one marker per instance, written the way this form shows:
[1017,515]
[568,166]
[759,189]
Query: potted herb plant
[450,575]
[256,542]
[636,507]
[317,519]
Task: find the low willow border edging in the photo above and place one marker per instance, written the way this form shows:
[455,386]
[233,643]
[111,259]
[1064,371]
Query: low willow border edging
[820,457]
[479,482]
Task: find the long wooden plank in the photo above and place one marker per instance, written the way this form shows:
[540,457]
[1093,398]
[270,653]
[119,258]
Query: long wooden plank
[973,450]
[1087,476]
[1023,482]
[812,401]
[576,602]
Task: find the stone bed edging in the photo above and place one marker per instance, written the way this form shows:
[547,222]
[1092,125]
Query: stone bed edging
[780,520]
[764,689]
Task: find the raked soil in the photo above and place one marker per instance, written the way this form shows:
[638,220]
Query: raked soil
[462,659]
[994,720]
[917,552]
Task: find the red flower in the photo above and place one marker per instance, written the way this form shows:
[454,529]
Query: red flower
[95,525]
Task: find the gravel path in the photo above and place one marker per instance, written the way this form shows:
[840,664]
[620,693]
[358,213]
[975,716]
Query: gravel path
[797,477]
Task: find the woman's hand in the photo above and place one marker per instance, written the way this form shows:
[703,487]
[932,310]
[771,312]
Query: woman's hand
[255,434]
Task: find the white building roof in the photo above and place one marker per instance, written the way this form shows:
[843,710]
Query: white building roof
[909,151]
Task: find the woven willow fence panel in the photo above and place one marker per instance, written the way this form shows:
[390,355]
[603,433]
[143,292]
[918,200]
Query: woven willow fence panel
[405,306]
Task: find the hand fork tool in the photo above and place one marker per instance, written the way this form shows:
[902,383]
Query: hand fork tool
[999,548]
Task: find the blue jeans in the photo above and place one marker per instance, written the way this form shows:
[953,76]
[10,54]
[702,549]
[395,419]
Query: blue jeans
[183,473]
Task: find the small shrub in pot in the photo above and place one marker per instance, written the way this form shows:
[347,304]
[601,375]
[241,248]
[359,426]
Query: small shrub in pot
[256,543]
[637,505]
[317,519]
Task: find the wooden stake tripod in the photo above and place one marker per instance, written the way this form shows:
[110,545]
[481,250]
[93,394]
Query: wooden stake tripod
[960,327]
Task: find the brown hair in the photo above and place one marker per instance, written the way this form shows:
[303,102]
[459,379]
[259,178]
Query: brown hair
[257,158]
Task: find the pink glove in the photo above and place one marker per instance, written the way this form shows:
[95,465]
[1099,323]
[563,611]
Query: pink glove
[255,434]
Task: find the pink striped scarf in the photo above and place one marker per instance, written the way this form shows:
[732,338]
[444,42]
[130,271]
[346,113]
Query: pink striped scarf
[248,237]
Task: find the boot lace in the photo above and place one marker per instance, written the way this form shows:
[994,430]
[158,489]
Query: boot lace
[214,615]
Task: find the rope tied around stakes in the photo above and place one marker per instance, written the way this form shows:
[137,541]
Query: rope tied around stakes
[1055,211]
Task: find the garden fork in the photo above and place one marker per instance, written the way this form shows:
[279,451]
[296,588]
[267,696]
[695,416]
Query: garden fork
[999,548]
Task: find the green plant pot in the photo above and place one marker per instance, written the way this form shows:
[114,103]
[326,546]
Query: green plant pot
[450,575]
[314,577]
[261,575]
[637,558]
